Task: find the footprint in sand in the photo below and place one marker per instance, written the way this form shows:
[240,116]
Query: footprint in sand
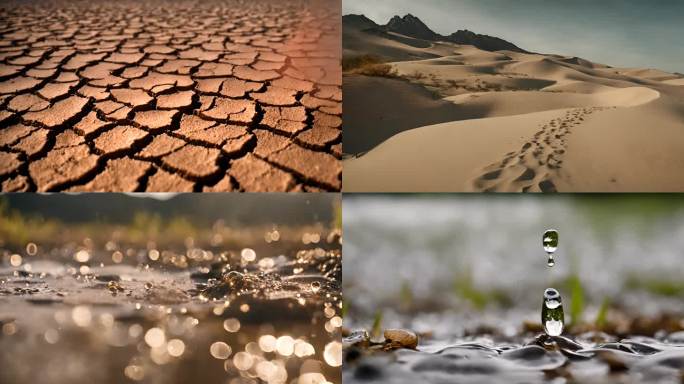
[538,161]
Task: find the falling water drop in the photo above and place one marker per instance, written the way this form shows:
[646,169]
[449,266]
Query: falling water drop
[315,286]
[550,244]
[550,240]
[552,312]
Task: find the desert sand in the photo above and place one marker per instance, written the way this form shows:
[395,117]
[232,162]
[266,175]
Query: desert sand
[517,122]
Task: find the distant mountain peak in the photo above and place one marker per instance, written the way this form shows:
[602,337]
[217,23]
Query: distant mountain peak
[411,26]
[358,21]
[484,42]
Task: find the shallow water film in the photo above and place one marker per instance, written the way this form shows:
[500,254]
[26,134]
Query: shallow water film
[188,288]
[462,301]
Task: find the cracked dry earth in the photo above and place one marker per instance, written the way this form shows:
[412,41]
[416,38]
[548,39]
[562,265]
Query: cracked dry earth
[170,96]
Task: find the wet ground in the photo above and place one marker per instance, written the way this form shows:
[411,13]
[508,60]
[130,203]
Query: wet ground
[482,360]
[170,96]
[468,276]
[111,309]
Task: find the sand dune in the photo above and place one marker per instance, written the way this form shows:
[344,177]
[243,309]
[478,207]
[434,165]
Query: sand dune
[520,122]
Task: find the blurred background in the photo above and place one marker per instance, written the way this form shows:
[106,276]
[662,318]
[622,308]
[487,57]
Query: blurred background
[176,220]
[480,258]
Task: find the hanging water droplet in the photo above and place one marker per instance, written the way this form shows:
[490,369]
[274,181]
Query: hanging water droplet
[552,313]
[550,240]
[315,286]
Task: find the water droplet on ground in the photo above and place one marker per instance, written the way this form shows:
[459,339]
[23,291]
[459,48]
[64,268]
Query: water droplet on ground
[552,312]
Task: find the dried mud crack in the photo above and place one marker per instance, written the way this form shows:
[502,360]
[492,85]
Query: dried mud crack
[170,96]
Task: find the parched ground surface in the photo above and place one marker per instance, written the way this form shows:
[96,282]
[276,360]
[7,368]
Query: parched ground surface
[170,96]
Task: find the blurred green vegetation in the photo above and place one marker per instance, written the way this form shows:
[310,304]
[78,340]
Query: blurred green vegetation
[465,288]
[662,287]
[605,213]
[345,308]
[406,295]
[602,314]
[376,329]
[18,229]
[337,214]
[576,290]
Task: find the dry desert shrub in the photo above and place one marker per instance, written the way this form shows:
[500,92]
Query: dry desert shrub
[368,65]
[378,70]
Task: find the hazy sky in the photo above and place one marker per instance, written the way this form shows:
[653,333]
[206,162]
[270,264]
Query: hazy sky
[623,33]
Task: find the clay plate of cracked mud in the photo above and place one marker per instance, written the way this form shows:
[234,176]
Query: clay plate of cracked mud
[468,289]
[173,96]
[164,297]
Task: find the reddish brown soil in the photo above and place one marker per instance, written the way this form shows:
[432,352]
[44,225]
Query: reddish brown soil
[170,96]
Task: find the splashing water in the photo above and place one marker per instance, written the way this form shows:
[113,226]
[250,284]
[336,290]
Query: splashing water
[552,312]
[550,244]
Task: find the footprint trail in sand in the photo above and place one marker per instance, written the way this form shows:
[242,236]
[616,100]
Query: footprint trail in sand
[534,167]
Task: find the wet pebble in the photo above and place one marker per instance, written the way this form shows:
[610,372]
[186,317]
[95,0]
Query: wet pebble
[401,338]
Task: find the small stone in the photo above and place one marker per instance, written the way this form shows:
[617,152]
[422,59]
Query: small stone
[401,338]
